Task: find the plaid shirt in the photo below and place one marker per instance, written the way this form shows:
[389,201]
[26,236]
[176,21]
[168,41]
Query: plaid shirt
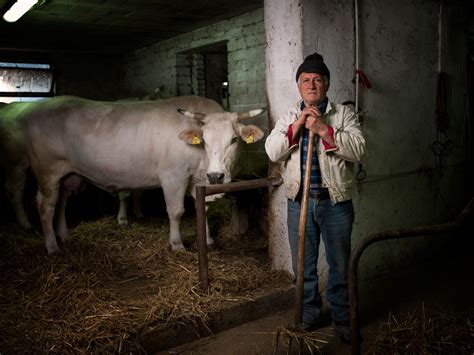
[316,180]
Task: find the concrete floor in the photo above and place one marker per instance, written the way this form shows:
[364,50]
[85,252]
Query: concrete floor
[448,284]
[257,337]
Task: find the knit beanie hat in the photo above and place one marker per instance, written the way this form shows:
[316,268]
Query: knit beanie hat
[314,63]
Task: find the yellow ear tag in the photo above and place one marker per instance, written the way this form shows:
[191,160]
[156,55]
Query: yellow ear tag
[249,139]
[196,140]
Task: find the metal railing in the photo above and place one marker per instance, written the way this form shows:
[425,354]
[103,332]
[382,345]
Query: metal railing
[384,235]
[205,190]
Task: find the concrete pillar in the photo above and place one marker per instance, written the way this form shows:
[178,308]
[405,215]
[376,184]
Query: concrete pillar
[284,52]
[295,29]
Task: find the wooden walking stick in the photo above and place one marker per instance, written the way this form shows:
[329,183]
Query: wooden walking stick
[301,234]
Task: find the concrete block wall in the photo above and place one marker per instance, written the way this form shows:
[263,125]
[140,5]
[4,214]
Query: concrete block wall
[183,75]
[153,66]
[190,74]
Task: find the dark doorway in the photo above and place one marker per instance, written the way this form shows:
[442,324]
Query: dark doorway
[203,72]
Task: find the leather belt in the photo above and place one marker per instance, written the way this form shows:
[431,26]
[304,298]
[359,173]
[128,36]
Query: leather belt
[319,195]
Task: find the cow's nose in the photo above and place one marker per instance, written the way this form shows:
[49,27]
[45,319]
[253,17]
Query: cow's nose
[215,178]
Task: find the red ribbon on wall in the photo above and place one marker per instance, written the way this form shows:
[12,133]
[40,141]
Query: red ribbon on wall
[364,79]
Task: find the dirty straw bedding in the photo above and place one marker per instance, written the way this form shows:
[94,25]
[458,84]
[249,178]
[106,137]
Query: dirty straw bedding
[111,283]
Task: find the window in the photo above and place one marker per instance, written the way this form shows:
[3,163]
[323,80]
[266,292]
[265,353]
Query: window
[25,81]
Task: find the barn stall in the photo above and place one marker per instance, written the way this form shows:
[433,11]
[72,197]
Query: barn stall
[242,54]
[88,299]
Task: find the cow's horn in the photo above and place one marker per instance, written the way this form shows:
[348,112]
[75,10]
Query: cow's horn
[196,115]
[251,113]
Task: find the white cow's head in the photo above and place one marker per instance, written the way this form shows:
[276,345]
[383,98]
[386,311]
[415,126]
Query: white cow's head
[219,135]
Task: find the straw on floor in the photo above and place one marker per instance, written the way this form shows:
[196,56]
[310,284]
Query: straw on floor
[110,283]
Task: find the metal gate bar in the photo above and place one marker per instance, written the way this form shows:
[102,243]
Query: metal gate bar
[390,234]
[205,190]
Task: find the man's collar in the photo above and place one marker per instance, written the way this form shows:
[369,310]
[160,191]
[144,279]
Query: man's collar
[322,106]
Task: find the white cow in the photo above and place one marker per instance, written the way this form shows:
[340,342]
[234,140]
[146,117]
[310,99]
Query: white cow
[122,215]
[13,157]
[131,146]
[14,161]
[155,95]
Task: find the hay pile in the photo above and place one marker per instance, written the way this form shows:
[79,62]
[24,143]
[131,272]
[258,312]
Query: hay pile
[426,330]
[111,283]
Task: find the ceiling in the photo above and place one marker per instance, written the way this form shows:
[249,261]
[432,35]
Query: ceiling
[111,25]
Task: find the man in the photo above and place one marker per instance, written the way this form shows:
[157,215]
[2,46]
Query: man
[339,143]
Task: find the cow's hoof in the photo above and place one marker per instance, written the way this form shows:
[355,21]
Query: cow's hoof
[54,251]
[211,247]
[123,223]
[65,237]
[26,226]
[178,248]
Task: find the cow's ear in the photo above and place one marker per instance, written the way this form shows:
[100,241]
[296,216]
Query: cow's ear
[250,133]
[192,136]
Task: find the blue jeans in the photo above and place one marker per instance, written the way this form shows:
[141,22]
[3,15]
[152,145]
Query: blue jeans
[334,225]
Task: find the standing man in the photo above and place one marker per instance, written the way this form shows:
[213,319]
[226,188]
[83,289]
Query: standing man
[339,143]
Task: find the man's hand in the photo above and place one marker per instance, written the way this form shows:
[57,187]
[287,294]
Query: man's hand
[303,119]
[315,123]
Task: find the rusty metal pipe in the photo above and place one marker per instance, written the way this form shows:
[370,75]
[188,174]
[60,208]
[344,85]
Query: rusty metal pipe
[384,235]
[242,185]
[205,190]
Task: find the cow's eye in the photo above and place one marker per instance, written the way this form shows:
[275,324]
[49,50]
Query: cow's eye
[234,140]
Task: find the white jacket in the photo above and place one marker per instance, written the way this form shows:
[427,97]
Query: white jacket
[336,164]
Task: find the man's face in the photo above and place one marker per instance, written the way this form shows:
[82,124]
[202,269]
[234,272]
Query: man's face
[313,88]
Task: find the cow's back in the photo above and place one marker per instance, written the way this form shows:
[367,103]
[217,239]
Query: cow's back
[194,103]
[115,145]
[12,137]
